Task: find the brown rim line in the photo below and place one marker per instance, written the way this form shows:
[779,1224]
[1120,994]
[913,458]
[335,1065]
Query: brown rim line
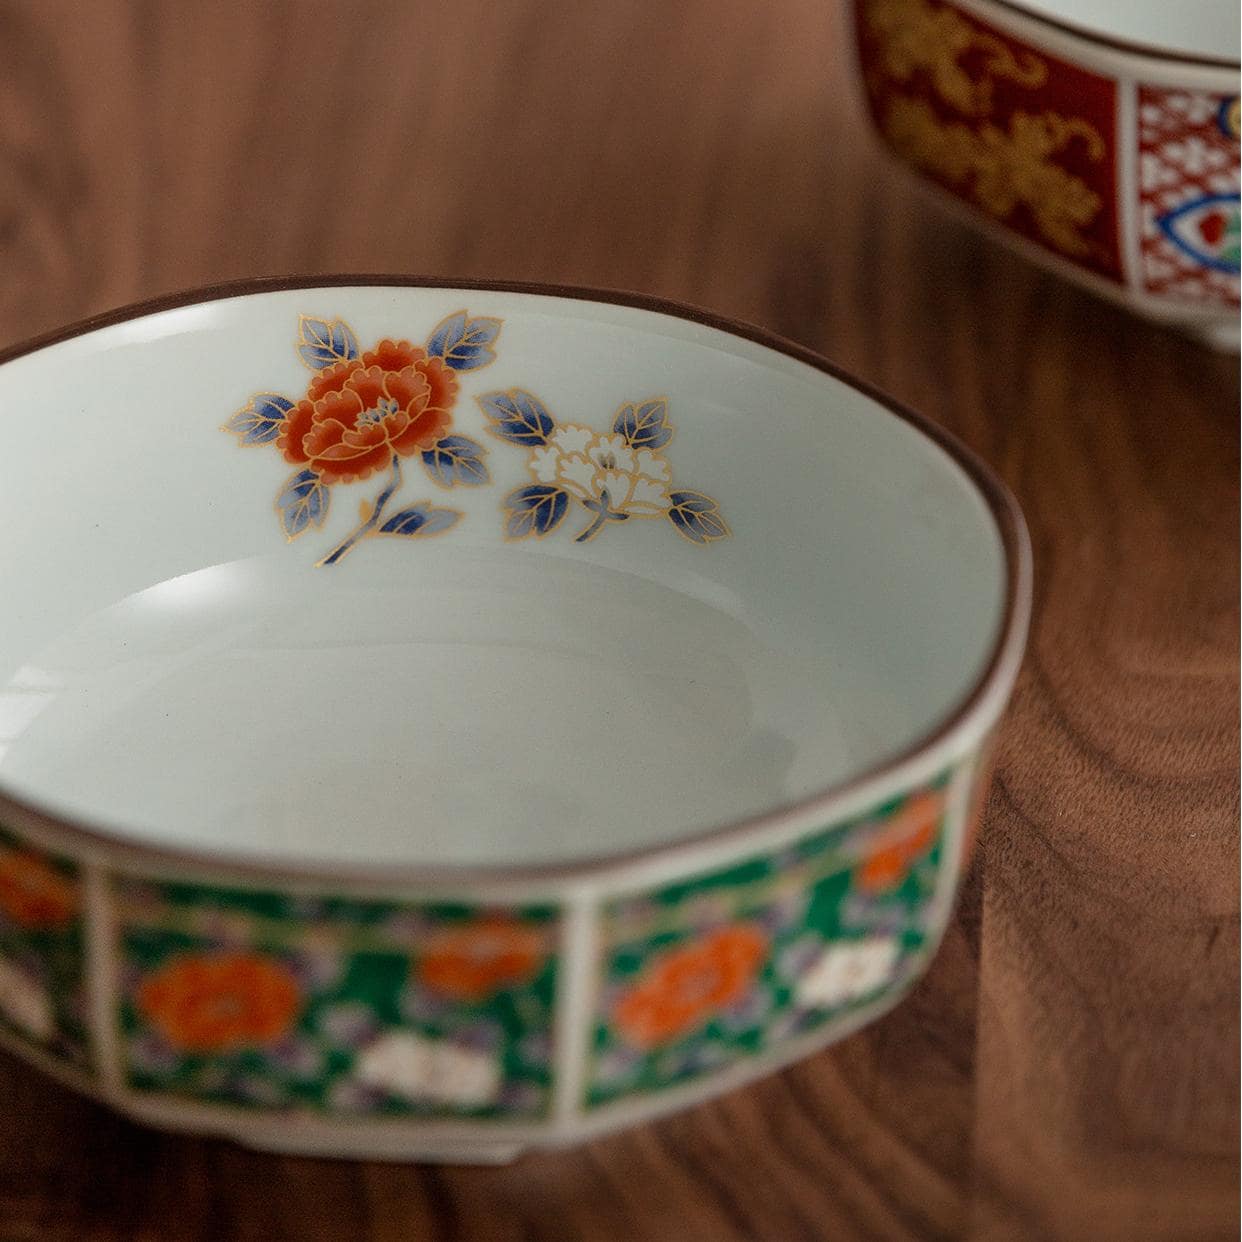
[984,702]
[1114,43]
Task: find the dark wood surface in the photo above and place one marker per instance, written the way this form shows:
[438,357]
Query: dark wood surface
[1069,1069]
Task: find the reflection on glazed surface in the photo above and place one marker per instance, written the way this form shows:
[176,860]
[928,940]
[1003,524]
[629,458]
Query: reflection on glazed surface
[451,716]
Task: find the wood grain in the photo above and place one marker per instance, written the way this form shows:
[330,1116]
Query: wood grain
[1069,1069]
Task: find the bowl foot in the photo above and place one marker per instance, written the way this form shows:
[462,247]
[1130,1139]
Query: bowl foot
[1222,336]
[444,1151]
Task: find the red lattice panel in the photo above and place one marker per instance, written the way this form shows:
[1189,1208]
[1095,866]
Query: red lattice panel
[1184,155]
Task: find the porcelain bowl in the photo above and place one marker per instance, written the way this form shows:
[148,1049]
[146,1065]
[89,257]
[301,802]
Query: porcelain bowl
[437,721]
[1101,138]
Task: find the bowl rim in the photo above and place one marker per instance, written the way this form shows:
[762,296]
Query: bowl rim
[1114,42]
[983,701]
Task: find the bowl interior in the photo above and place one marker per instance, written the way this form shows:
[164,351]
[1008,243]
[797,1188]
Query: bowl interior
[174,669]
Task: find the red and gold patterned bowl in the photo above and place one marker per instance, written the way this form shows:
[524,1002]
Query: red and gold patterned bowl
[1102,139]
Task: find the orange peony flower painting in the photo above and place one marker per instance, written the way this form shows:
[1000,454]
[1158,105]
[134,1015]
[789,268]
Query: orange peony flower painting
[357,414]
[907,837]
[220,1002]
[683,987]
[366,412]
[33,893]
[475,960]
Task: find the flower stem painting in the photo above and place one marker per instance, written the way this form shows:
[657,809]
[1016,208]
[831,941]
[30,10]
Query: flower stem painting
[364,413]
[613,475]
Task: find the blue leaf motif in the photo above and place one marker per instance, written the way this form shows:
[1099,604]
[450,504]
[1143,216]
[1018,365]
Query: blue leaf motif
[344,346]
[693,502]
[644,424]
[419,520]
[321,343]
[456,459]
[465,344]
[259,422]
[517,416]
[535,510]
[697,517]
[302,502]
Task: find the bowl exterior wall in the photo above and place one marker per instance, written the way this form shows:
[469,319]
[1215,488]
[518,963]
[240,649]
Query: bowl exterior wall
[1119,168]
[307,1016]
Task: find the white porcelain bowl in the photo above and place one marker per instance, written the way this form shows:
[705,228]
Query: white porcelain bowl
[441,720]
[1099,137]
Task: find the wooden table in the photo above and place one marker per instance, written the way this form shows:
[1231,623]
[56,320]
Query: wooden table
[1069,1069]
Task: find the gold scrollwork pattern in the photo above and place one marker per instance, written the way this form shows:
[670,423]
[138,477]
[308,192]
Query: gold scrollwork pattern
[914,35]
[930,65]
[1006,169]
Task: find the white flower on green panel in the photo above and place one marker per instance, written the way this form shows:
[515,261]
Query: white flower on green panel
[416,1068]
[848,971]
[25,1002]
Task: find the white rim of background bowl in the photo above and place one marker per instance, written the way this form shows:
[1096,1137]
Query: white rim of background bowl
[1114,39]
[973,713]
